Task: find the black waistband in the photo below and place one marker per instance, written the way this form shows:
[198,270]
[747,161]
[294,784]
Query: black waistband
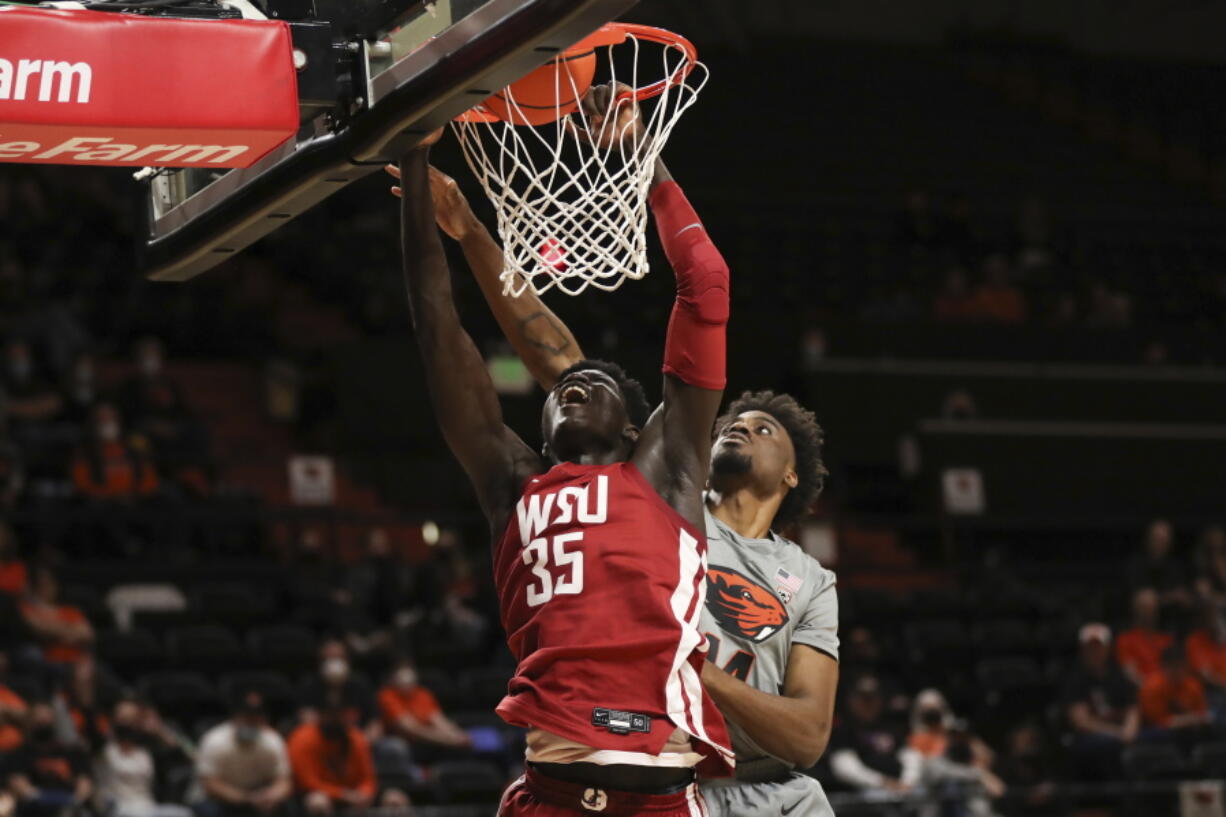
[620,777]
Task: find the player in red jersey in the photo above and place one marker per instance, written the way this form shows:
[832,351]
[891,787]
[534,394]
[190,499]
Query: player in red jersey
[772,610]
[599,538]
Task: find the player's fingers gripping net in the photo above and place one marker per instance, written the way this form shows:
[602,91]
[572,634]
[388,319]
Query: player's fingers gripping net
[568,165]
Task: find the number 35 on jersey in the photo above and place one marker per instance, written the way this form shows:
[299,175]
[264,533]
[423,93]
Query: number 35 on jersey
[557,560]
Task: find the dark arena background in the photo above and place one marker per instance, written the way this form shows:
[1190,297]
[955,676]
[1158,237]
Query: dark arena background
[985,241]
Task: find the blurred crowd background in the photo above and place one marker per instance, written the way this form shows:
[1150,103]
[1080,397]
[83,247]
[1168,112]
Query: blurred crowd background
[241,575]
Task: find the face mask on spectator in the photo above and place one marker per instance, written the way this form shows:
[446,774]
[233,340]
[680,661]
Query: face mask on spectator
[108,432]
[406,678]
[246,733]
[932,717]
[42,733]
[332,731]
[335,670]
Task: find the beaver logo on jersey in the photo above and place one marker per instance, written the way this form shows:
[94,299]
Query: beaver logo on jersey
[742,606]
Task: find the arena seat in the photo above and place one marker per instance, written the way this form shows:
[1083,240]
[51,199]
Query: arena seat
[1209,760]
[88,601]
[206,647]
[938,637]
[236,605]
[1156,761]
[280,697]
[468,782]
[285,648]
[1005,636]
[187,696]
[129,653]
[486,687]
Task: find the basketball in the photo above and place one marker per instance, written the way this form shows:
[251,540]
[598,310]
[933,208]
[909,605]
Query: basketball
[548,93]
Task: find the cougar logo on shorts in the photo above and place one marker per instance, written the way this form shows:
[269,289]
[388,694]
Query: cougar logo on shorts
[742,606]
[595,800]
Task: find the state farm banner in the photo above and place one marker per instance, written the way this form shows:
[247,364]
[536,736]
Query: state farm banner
[101,88]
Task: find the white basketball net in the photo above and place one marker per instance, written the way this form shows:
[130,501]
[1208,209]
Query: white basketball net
[572,200]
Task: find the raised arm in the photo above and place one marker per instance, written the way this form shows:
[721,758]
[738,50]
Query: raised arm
[543,342]
[675,447]
[465,401]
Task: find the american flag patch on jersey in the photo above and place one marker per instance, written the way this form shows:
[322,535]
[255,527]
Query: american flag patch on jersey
[786,585]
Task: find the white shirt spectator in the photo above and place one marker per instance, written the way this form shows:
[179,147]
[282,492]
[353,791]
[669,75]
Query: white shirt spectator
[125,782]
[246,766]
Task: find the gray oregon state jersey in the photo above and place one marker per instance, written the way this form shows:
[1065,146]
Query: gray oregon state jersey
[763,596]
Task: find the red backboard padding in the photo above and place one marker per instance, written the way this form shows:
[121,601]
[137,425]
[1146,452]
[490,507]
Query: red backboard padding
[100,88]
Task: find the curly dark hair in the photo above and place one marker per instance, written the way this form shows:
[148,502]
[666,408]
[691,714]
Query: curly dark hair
[801,426]
[633,395]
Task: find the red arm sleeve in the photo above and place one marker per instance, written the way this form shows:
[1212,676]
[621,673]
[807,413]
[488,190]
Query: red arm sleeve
[694,351]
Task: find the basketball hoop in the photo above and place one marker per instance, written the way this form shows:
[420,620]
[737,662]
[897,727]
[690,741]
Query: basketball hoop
[571,197]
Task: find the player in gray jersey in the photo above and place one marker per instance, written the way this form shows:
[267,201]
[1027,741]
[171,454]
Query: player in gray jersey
[771,618]
[772,614]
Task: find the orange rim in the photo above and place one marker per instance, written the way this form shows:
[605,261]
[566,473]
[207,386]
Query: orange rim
[611,34]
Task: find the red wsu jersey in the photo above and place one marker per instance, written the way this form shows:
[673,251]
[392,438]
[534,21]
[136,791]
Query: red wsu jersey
[601,585]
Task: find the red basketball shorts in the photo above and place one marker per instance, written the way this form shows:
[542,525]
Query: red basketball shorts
[535,795]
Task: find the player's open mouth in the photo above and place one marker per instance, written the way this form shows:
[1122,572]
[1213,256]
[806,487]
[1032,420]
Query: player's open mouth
[574,393]
[739,436]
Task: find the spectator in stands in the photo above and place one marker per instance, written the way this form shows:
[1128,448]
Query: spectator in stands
[1100,704]
[316,586]
[12,469]
[80,392]
[1173,702]
[1027,769]
[862,655]
[950,753]
[997,300]
[80,699]
[1156,566]
[1206,652]
[154,406]
[29,398]
[111,467]
[1108,308]
[1139,649]
[243,765]
[959,404]
[411,711]
[337,682]
[13,713]
[1211,565]
[46,775]
[333,767]
[68,632]
[14,577]
[126,772]
[954,302]
[1034,234]
[866,752]
[377,589]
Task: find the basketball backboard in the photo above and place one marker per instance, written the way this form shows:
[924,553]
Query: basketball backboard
[392,82]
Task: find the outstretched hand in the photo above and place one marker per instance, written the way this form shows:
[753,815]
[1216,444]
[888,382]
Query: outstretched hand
[451,209]
[612,116]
